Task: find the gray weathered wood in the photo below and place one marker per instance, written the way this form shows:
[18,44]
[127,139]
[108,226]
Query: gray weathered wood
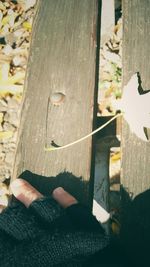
[136,52]
[62,59]
[107,20]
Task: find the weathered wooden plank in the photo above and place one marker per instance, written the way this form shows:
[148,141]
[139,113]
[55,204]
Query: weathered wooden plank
[62,60]
[107,20]
[136,51]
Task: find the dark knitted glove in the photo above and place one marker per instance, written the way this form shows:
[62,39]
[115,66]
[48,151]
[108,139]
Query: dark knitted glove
[47,235]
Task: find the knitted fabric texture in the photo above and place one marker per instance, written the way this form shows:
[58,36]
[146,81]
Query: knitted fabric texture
[47,235]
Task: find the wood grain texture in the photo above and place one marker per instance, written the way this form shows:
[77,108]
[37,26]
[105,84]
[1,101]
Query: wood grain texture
[136,51]
[62,59]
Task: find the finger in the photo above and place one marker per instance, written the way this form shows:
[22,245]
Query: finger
[63,197]
[24,192]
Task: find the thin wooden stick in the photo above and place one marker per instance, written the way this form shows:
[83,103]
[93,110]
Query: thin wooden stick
[48,149]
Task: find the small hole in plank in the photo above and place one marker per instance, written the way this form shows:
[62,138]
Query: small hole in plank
[57,98]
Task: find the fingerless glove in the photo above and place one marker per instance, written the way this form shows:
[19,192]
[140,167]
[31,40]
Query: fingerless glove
[46,235]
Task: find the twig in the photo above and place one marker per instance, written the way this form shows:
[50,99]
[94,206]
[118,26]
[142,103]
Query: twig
[48,149]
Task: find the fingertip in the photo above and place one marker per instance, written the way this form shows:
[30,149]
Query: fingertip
[16,184]
[63,198]
[24,191]
[58,191]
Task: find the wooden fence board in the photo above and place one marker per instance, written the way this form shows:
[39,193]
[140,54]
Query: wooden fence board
[136,50]
[62,60]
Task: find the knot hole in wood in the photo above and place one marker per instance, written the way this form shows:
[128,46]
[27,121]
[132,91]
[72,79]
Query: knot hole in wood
[57,98]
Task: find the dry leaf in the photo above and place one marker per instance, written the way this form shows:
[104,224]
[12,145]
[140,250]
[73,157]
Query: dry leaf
[27,25]
[4,200]
[1,117]
[29,4]
[5,20]
[2,7]
[4,72]
[115,228]
[115,157]
[9,84]
[6,134]
[26,4]
[3,189]
[10,89]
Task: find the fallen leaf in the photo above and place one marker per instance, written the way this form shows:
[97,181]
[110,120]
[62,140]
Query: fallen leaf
[115,157]
[5,20]
[1,17]
[6,134]
[7,50]
[3,189]
[10,89]
[27,25]
[1,117]
[4,72]
[115,227]
[29,4]
[4,200]
[2,7]
[5,30]
[10,83]
[17,78]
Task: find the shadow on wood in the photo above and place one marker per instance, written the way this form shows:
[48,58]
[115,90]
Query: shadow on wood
[74,185]
[132,247]
[135,232]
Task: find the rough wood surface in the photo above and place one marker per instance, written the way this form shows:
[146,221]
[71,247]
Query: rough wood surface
[62,60]
[136,50]
[107,20]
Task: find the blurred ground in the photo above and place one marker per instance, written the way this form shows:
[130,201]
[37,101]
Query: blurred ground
[16,19]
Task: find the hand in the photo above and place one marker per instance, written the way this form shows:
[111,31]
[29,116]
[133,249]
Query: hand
[26,193]
[47,231]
